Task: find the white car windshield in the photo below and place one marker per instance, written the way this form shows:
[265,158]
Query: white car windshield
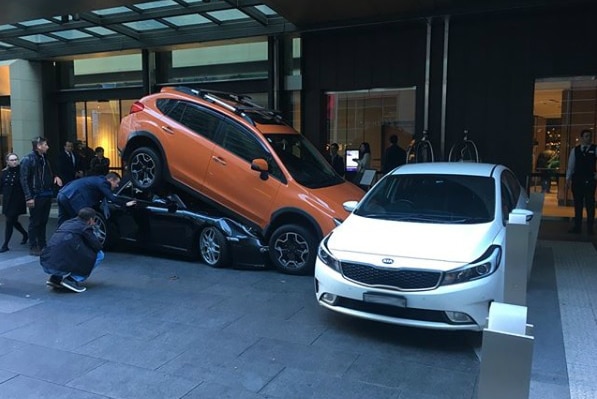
[428,198]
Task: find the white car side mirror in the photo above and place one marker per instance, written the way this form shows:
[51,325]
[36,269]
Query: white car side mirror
[349,206]
[520,215]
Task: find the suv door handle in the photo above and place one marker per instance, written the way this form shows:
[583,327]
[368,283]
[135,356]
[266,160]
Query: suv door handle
[167,129]
[218,160]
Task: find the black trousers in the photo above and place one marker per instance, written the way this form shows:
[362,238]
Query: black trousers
[583,191]
[38,220]
[12,221]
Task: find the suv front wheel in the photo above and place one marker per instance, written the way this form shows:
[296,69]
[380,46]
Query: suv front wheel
[145,167]
[293,249]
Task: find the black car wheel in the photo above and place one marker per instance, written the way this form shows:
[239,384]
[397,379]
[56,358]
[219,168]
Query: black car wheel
[213,247]
[145,167]
[293,249]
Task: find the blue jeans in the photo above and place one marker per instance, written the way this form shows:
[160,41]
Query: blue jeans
[76,277]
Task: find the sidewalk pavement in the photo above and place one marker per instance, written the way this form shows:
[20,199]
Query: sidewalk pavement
[154,327]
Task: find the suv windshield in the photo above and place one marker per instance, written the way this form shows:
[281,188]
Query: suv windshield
[429,198]
[306,165]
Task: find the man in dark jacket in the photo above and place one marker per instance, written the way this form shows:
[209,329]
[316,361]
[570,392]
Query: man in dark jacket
[72,252]
[86,192]
[393,156]
[69,167]
[38,182]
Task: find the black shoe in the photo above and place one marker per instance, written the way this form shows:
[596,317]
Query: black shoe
[3,249]
[575,230]
[25,239]
[72,284]
[54,281]
[35,251]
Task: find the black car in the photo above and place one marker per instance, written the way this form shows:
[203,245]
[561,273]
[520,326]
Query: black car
[166,224]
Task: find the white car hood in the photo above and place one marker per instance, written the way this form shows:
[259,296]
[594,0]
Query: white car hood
[411,244]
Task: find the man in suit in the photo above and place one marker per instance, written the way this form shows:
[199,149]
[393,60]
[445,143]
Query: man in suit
[394,156]
[68,164]
[582,176]
[336,159]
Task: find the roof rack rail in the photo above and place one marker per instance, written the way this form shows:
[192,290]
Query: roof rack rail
[224,98]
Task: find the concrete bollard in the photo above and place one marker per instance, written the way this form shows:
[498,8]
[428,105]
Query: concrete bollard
[506,354]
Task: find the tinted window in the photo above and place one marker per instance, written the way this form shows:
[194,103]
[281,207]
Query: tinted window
[195,118]
[306,165]
[431,199]
[165,105]
[245,145]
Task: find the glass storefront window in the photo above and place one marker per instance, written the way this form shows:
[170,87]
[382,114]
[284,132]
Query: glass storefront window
[98,123]
[563,107]
[371,116]
[214,63]
[5,133]
[114,71]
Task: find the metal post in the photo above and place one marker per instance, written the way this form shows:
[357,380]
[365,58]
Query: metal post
[506,354]
[517,258]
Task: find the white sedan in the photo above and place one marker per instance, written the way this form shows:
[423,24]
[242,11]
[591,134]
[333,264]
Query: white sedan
[423,248]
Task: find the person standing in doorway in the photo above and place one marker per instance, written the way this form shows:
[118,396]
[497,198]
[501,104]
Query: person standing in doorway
[69,164]
[336,159]
[582,173]
[37,181]
[99,165]
[393,156]
[13,199]
[364,159]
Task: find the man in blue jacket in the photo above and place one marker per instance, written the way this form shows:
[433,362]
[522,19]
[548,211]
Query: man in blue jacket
[72,252]
[86,192]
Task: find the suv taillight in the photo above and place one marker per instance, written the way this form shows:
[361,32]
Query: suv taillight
[136,107]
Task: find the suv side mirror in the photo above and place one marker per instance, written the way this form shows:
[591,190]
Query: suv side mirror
[260,165]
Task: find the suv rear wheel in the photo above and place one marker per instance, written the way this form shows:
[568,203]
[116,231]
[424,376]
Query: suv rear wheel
[293,249]
[145,167]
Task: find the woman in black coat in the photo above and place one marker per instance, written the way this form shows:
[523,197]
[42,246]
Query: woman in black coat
[13,199]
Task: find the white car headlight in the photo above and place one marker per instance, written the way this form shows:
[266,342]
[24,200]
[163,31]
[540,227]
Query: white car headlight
[483,267]
[326,257]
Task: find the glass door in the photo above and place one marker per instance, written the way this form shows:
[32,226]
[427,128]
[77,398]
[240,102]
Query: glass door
[563,107]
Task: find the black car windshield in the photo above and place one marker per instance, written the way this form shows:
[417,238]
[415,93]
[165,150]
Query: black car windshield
[428,198]
[306,165]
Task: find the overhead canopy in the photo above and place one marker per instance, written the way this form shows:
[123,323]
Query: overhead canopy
[44,29]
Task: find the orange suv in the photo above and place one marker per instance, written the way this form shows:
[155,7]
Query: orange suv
[241,158]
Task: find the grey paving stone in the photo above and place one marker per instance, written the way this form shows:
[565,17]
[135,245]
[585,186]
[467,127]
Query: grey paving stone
[130,351]
[6,375]
[48,364]
[236,374]
[54,334]
[215,390]
[127,382]
[22,387]
[299,356]
[303,384]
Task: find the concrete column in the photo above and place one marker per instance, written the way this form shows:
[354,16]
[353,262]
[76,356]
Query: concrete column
[26,103]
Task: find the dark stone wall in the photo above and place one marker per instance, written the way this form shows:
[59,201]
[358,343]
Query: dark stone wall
[493,62]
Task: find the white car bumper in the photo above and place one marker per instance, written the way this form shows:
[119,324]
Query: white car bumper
[409,308]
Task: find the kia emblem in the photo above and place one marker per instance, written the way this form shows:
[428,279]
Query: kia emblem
[387,261]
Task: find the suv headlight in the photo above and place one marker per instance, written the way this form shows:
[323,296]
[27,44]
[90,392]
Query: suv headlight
[326,257]
[483,267]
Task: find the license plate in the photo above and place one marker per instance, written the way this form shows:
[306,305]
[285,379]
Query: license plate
[393,300]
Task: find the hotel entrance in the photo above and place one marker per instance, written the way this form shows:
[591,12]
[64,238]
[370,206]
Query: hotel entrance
[563,107]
